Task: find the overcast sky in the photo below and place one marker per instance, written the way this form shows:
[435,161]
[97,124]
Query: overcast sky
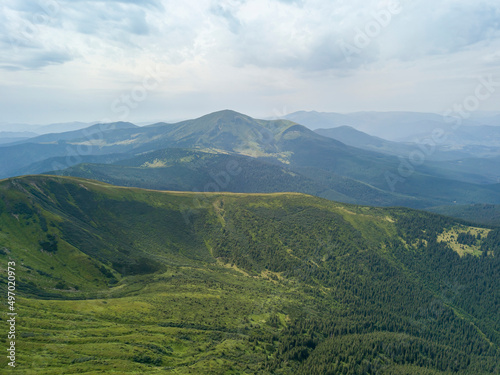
[75,60]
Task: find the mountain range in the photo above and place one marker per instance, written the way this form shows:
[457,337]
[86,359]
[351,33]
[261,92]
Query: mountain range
[405,126]
[43,129]
[357,169]
[232,245]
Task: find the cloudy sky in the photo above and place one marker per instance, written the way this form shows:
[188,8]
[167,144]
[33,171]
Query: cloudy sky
[77,60]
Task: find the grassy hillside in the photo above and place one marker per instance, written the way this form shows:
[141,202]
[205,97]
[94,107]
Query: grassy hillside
[193,170]
[135,281]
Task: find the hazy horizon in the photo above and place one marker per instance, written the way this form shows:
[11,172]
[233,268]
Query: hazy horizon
[143,61]
[31,127]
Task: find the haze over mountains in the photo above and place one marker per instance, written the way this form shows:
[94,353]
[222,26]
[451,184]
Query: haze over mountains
[193,247]
[395,126]
[341,164]
[45,128]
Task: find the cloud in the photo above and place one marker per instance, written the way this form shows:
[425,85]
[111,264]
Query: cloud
[35,59]
[270,48]
[23,40]
[426,30]
[339,36]
[154,4]
[107,20]
[51,26]
[232,22]
[307,35]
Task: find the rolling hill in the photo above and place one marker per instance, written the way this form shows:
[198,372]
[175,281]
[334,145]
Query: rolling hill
[126,280]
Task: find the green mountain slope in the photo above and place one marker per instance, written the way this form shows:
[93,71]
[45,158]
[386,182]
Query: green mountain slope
[191,170]
[140,281]
[487,169]
[225,130]
[279,142]
[372,168]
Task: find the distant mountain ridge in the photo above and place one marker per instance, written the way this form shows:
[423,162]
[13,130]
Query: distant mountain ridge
[388,125]
[325,166]
[393,126]
[80,134]
[47,128]
[193,170]
[11,137]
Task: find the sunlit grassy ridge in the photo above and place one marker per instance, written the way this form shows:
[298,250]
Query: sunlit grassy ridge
[125,280]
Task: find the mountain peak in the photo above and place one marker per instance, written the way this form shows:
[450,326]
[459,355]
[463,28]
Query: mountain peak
[225,114]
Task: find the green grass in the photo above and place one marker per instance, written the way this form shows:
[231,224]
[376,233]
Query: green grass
[143,281]
[172,324]
[450,236]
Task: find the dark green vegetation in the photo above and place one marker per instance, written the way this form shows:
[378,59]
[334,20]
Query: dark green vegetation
[212,171]
[297,158]
[488,214]
[124,280]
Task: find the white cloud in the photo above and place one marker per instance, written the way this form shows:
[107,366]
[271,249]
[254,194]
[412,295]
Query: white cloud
[272,49]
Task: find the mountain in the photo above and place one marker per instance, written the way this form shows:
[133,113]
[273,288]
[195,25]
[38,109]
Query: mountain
[191,170]
[225,130]
[470,169]
[356,138]
[10,137]
[58,163]
[387,125]
[405,126]
[444,161]
[312,154]
[375,177]
[22,157]
[480,135]
[140,281]
[63,127]
[88,132]
[44,129]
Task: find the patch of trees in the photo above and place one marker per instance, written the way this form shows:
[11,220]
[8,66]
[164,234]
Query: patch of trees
[467,239]
[49,244]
